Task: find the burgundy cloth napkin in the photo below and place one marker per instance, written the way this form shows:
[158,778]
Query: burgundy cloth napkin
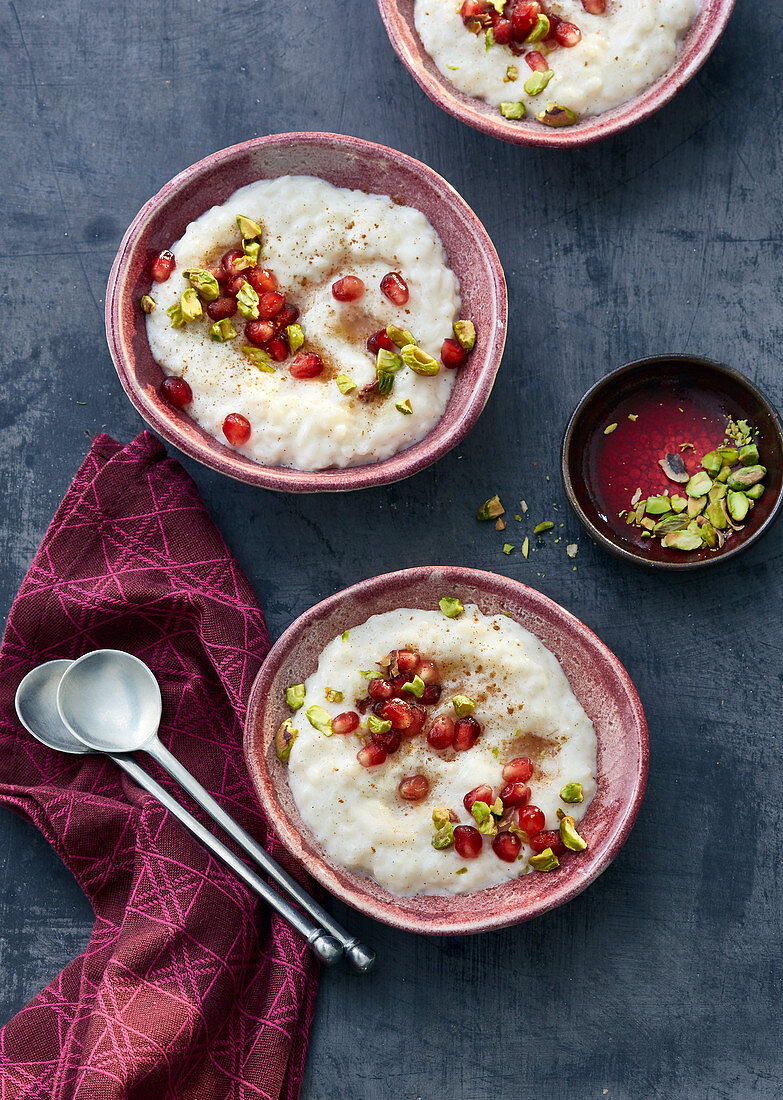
[188,987]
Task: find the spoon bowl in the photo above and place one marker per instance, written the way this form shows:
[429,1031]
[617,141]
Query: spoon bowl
[110,701]
[36,708]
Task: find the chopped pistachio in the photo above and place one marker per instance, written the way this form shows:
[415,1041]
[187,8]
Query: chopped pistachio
[147,303]
[699,485]
[462,871]
[572,549]
[525,548]
[723,476]
[484,819]
[512,74]
[512,110]
[572,792]
[610,428]
[344,635]
[507,547]
[319,720]
[444,837]
[222,331]
[633,416]
[259,358]
[418,360]
[190,304]
[738,505]
[570,837]
[295,696]
[415,686]
[755,491]
[657,506]
[377,725]
[540,30]
[385,382]
[451,607]
[555,115]
[345,384]
[544,861]
[203,282]
[730,455]
[490,509]
[465,332]
[489,40]
[333,696]
[522,507]
[386,362]
[537,81]
[249,229]
[370,673]
[670,522]
[441,816]
[176,315]
[678,504]
[463,706]
[404,407]
[709,534]
[295,337]
[252,251]
[716,516]
[399,336]
[746,477]
[284,739]
[712,463]
[540,528]
[648,524]
[717,492]
[682,540]
[696,506]
[247,302]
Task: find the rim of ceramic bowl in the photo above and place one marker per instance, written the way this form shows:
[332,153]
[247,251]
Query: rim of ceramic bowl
[568,473]
[625,772]
[197,444]
[698,43]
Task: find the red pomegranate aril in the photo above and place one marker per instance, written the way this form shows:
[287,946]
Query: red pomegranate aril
[407,660]
[379,689]
[396,711]
[567,34]
[541,841]
[230,260]
[418,718]
[236,429]
[235,284]
[306,365]
[270,304]
[398,683]
[515,794]
[259,332]
[414,788]
[466,734]
[554,22]
[395,288]
[162,266]
[482,793]
[261,279]
[428,672]
[503,31]
[467,841]
[594,7]
[278,349]
[379,340]
[348,289]
[452,355]
[222,308]
[346,722]
[287,315]
[389,741]
[531,820]
[370,756]
[441,733]
[431,694]
[506,846]
[518,770]
[537,62]
[176,391]
[523,18]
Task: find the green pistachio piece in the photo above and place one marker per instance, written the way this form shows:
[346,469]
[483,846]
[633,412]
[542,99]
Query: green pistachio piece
[746,477]
[755,492]
[540,30]
[387,362]
[540,528]
[222,330]
[669,522]
[415,686]
[508,547]
[190,304]
[555,115]
[682,540]
[444,837]
[377,725]
[295,696]
[399,336]
[463,705]
[677,503]
[570,837]
[418,360]
[370,673]
[319,720]
[489,40]
[696,506]
[333,696]
[657,506]
[247,302]
[714,514]
[738,505]
[484,820]
[544,861]
[295,337]
[203,282]
[490,509]
[537,81]
[284,739]
[248,228]
[147,303]
[709,535]
[512,74]
[404,407]
[496,808]
[712,463]
[610,428]
[723,476]
[641,508]
[749,454]
[344,635]
[730,455]
[512,110]
[465,332]
[259,358]
[572,792]
[345,384]
[252,251]
[451,607]
[385,382]
[176,315]
[648,524]
[717,492]
[699,485]
[440,817]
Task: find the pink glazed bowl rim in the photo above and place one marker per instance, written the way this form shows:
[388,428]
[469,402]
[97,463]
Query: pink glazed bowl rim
[210,452]
[697,45]
[426,914]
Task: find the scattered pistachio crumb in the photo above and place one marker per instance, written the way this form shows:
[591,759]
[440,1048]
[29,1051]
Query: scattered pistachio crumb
[610,428]
[633,416]
[451,607]
[572,549]
[462,871]
[525,548]
[345,635]
[522,506]
[540,528]
[507,548]
[495,751]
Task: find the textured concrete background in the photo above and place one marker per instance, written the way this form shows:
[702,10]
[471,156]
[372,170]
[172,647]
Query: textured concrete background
[663,979]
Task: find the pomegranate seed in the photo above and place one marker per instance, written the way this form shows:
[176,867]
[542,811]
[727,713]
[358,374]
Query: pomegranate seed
[176,391]
[523,18]
[162,266]
[407,660]
[235,284]
[431,694]
[537,61]
[278,349]
[346,722]
[594,7]
[230,261]
[379,689]
[379,340]
[306,365]
[467,841]
[287,315]
[398,683]
[506,846]
[418,718]
[262,280]
[554,23]
[466,734]
[452,355]
[503,31]
[236,429]
[371,755]
[389,741]
[531,820]
[269,304]
[413,788]
[515,794]
[396,711]
[259,332]
[441,732]
[520,769]
[482,793]
[348,289]
[567,34]
[542,841]
[395,288]
[222,307]
[428,672]
[475,15]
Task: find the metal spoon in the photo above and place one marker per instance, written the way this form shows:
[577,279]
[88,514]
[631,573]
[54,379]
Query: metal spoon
[110,701]
[36,706]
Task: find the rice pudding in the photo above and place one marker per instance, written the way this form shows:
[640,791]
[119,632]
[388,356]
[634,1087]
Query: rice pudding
[308,325]
[556,59]
[440,752]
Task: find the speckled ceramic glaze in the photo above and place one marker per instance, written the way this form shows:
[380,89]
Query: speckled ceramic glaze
[697,45]
[344,162]
[597,678]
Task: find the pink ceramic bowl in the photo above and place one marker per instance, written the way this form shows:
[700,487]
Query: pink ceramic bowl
[344,162]
[599,680]
[697,46]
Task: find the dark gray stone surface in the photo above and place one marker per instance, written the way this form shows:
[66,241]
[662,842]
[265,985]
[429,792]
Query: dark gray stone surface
[663,979]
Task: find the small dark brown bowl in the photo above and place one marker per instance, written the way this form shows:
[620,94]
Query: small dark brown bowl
[687,381]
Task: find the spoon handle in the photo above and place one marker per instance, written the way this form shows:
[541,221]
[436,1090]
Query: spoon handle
[360,956]
[324,946]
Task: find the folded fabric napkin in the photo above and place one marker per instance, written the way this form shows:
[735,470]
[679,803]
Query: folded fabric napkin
[188,988]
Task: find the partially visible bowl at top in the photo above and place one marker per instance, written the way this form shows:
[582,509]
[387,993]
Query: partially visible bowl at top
[344,162]
[697,44]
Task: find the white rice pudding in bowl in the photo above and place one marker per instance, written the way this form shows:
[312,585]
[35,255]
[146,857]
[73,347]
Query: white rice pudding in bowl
[308,325]
[556,60]
[440,752]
